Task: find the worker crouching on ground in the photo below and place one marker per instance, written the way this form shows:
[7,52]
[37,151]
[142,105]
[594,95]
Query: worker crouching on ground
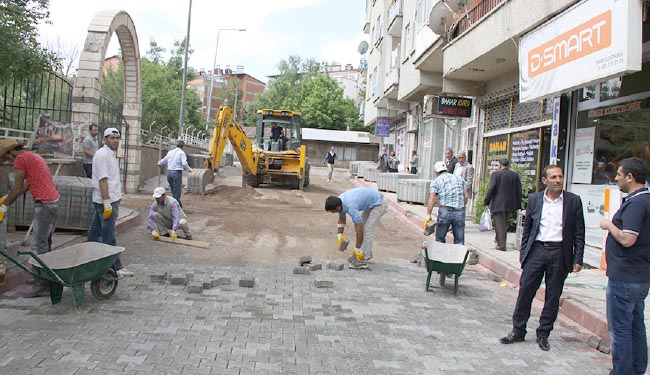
[353,202]
[166,217]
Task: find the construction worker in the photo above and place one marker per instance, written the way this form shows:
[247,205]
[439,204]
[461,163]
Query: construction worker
[176,162]
[32,168]
[166,217]
[353,202]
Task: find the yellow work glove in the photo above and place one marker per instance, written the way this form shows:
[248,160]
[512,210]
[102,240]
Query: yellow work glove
[173,235]
[155,235]
[427,221]
[108,209]
[341,239]
[3,199]
[358,254]
[3,211]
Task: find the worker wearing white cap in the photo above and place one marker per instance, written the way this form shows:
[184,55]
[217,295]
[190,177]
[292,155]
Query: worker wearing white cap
[166,217]
[107,193]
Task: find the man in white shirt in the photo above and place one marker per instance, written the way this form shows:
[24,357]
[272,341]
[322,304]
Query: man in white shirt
[107,192]
[176,161]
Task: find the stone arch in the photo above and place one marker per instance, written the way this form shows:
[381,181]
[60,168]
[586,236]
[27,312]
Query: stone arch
[88,85]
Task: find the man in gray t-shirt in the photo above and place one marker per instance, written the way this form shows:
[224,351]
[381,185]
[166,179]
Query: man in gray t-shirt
[90,145]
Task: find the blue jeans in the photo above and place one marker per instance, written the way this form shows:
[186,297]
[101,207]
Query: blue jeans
[105,228]
[454,217]
[175,179]
[43,226]
[625,305]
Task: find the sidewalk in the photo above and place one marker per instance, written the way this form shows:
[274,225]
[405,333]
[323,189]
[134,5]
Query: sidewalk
[583,299]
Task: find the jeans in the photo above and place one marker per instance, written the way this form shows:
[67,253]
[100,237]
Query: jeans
[88,168]
[105,228]
[43,226]
[175,179]
[455,218]
[625,305]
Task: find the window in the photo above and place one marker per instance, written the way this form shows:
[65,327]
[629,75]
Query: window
[408,41]
[422,13]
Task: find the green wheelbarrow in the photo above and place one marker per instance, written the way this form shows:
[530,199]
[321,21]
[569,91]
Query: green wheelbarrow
[446,259]
[72,267]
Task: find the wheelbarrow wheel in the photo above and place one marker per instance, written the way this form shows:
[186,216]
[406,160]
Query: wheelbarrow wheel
[104,287]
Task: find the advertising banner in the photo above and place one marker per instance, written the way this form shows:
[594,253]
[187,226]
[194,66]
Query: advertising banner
[591,42]
[53,136]
[583,155]
[383,127]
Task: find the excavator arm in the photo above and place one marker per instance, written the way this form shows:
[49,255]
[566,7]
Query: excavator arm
[225,131]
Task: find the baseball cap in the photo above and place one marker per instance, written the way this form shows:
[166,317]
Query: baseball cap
[111,131]
[439,166]
[158,192]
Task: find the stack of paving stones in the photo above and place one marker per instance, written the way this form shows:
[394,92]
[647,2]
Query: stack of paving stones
[362,168]
[388,181]
[370,172]
[194,283]
[75,204]
[413,190]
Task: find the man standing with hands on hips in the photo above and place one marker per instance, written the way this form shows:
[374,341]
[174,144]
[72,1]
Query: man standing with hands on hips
[107,192]
[627,250]
[552,246]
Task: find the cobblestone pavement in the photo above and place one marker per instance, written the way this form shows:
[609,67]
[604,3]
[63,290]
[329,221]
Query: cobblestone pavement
[378,321]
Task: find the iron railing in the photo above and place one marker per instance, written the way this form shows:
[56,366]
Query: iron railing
[472,16]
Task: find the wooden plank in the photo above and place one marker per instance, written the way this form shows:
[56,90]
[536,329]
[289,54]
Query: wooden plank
[194,243]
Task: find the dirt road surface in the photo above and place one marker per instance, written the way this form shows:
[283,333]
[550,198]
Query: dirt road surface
[263,226]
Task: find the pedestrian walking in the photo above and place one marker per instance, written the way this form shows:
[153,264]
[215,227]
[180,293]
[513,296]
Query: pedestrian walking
[90,146]
[382,160]
[450,192]
[504,199]
[166,217]
[365,207]
[31,173]
[414,162]
[330,159]
[107,193]
[627,251]
[464,170]
[176,162]
[552,246]
[450,159]
[393,162]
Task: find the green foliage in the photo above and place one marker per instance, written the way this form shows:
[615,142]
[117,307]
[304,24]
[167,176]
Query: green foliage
[233,93]
[162,83]
[301,86]
[527,188]
[21,55]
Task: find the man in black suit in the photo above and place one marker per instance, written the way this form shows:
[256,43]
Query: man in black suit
[450,159]
[552,245]
[504,198]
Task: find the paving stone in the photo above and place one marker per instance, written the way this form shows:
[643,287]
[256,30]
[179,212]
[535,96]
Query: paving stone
[324,283]
[178,279]
[207,282]
[305,260]
[605,346]
[593,341]
[195,287]
[220,280]
[189,276]
[158,277]
[301,270]
[247,282]
[316,267]
[336,266]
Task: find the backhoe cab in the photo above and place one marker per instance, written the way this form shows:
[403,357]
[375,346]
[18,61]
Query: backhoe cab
[277,155]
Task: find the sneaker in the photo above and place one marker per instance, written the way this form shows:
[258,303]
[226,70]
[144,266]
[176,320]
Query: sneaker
[38,290]
[188,237]
[358,266]
[121,273]
[367,258]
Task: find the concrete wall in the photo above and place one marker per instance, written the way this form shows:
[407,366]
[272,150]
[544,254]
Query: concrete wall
[316,151]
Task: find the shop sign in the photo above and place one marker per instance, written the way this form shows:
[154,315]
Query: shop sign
[591,42]
[628,107]
[454,106]
[383,127]
[525,151]
[497,148]
[555,131]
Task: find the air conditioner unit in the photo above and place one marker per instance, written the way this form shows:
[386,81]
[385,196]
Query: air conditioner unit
[430,106]
[411,124]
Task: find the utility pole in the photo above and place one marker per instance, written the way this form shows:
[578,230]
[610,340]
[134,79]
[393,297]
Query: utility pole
[181,120]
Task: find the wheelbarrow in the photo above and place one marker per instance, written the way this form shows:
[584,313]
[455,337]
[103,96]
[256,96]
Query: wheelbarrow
[72,267]
[446,259]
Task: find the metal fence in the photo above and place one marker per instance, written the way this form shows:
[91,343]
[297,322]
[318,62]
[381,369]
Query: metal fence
[509,113]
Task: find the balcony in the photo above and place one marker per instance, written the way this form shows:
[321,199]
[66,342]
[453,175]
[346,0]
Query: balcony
[395,19]
[480,10]
[376,93]
[391,83]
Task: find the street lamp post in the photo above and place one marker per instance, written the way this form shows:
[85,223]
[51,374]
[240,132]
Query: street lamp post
[214,64]
[181,119]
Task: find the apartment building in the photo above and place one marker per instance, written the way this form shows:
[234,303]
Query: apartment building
[484,50]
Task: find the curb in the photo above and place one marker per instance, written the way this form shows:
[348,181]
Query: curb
[132,219]
[572,309]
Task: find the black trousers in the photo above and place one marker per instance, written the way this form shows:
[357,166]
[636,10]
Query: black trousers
[501,227]
[88,168]
[541,262]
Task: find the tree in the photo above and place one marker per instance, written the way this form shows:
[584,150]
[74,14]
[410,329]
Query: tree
[67,54]
[232,94]
[21,54]
[161,89]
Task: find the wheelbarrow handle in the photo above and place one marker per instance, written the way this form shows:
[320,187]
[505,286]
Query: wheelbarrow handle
[17,263]
[47,269]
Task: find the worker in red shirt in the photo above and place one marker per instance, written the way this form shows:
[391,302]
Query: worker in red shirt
[32,168]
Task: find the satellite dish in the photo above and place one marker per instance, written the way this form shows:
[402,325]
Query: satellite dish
[441,18]
[363,47]
[455,5]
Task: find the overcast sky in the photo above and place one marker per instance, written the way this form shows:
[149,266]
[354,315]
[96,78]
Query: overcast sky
[326,30]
